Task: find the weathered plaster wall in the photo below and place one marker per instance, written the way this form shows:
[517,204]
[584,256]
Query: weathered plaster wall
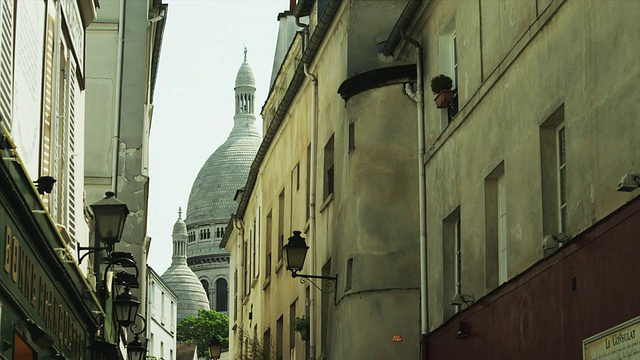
[513,76]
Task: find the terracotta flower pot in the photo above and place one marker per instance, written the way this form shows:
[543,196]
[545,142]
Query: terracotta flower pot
[444,98]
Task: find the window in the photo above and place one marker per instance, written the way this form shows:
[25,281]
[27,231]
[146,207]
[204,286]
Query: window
[255,264]
[328,169]
[279,338]
[152,295]
[162,298]
[269,234]
[21,350]
[448,51]
[324,311]
[205,285]
[451,247]
[495,228]
[247,280]
[352,136]
[562,178]
[280,224]
[295,177]
[553,173]
[173,315]
[349,274]
[235,294]
[221,295]
[454,60]
[266,344]
[292,331]
[219,232]
[307,312]
[308,182]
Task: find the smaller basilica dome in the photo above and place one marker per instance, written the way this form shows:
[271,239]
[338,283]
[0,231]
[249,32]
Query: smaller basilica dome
[181,279]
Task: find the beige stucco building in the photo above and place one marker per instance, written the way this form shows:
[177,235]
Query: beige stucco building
[328,166]
[546,127]
[438,228]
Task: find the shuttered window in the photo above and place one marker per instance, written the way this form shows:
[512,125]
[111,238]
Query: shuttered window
[6,60]
[71,147]
[47,102]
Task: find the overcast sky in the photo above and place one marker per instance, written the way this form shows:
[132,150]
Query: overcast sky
[202,50]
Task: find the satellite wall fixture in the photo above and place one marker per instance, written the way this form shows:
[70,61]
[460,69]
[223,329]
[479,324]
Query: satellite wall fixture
[554,241]
[629,182]
[44,184]
[461,299]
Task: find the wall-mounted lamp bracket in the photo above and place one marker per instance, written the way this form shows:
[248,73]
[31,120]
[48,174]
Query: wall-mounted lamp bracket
[90,250]
[331,282]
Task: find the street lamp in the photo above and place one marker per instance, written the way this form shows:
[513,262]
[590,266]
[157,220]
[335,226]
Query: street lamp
[215,348]
[136,349]
[110,214]
[295,253]
[126,307]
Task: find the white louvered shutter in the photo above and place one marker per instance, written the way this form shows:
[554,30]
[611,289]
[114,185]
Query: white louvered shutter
[47,102]
[6,61]
[71,147]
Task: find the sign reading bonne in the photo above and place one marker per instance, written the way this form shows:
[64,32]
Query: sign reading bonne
[619,342]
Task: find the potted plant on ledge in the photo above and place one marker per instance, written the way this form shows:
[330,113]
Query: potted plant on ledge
[441,86]
[302,325]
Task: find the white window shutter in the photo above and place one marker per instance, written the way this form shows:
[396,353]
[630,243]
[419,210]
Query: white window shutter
[71,148]
[47,102]
[6,61]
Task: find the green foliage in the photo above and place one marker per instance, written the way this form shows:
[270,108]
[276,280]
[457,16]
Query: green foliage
[302,325]
[203,328]
[254,349]
[440,83]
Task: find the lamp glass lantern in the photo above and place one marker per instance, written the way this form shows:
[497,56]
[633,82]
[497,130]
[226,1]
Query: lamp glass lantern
[295,252]
[110,214]
[215,348]
[136,350]
[126,307]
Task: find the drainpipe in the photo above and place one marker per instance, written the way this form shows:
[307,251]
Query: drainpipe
[418,97]
[238,224]
[116,123]
[312,184]
[312,195]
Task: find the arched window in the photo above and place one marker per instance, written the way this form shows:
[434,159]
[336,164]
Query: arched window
[205,285]
[221,295]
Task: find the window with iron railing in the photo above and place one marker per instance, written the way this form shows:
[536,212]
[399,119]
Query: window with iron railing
[452,109]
